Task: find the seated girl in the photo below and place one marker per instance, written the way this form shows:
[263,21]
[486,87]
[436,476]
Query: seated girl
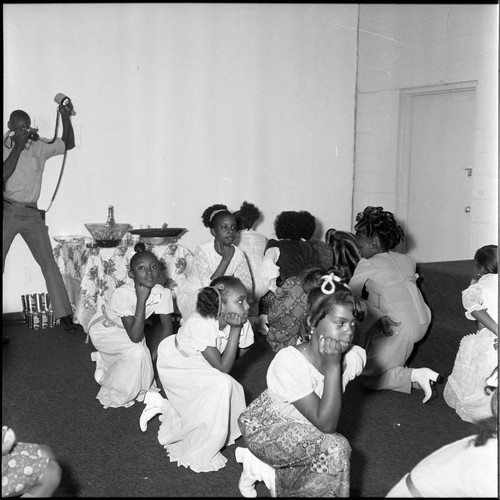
[204,402]
[124,367]
[389,282]
[291,428]
[214,258]
[478,352]
[253,245]
[285,261]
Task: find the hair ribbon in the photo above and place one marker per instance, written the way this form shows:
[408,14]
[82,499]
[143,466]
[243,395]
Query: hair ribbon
[328,285]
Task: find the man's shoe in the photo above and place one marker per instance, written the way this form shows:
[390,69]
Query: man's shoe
[67,321]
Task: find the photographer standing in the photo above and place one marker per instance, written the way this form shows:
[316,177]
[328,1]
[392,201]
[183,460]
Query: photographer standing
[24,157]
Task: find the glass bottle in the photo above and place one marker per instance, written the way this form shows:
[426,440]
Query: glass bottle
[111,216]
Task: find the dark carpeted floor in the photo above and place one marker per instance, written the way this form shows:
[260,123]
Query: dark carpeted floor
[49,397]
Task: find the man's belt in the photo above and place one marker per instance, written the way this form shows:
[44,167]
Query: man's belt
[19,204]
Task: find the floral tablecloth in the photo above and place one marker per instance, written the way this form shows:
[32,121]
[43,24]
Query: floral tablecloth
[92,274]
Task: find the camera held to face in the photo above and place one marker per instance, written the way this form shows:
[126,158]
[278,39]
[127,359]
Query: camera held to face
[33,134]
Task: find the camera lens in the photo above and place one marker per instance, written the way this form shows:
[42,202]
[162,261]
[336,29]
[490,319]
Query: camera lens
[32,134]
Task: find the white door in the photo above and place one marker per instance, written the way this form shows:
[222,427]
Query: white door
[439,170]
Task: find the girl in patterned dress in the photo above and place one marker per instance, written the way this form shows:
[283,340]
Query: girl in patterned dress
[285,261]
[478,352]
[28,470]
[291,428]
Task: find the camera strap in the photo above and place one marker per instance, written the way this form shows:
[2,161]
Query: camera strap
[59,180]
[62,166]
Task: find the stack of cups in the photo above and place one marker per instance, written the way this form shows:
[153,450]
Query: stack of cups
[37,310]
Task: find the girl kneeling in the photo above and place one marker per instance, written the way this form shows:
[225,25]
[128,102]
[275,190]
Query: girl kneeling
[124,363]
[204,402]
[292,425]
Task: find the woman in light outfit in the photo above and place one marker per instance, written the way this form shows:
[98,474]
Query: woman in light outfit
[390,282]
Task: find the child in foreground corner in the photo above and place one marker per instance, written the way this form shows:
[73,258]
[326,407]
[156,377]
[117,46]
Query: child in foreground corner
[28,470]
[291,428]
[478,352]
[204,401]
[124,367]
[467,468]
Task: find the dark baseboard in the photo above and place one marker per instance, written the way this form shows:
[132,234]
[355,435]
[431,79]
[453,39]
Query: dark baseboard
[12,318]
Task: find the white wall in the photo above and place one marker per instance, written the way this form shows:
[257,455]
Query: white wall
[180,106]
[404,46]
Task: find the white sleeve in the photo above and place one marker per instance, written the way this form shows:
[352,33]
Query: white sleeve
[473,300]
[269,270]
[246,335]
[165,303]
[353,364]
[288,378]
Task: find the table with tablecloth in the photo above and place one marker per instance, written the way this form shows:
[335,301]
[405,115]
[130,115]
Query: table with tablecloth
[91,274]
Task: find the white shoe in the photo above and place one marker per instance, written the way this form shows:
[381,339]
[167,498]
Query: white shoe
[246,483]
[153,402]
[99,372]
[425,378]
[254,470]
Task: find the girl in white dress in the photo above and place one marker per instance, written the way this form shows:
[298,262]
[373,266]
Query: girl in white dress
[478,352]
[124,367]
[467,468]
[218,257]
[253,245]
[204,402]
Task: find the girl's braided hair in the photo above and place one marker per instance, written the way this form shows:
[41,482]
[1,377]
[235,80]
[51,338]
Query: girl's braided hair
[375,221]
[345,252]
[322,298]
[210,298]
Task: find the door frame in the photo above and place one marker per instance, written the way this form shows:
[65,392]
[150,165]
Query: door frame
[404,144]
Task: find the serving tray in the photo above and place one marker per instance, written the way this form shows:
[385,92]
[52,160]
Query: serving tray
[158,232]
